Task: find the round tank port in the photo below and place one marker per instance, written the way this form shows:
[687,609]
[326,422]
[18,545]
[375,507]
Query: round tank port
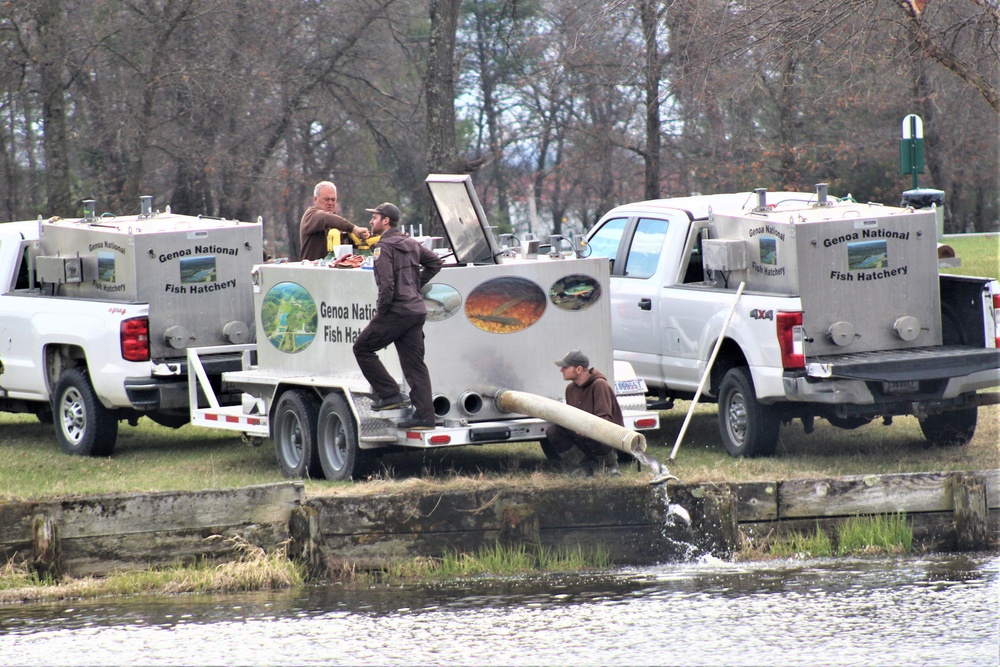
[841,333]
[907,328]
[178,337]
[235,332]
[442,405]
[471,403]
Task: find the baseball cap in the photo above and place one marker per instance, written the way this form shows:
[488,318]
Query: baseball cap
[388,210]
[574,358]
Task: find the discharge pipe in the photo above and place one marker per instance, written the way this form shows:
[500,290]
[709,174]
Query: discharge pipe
[601,430]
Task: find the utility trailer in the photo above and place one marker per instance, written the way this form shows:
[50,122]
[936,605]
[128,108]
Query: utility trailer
[496,321]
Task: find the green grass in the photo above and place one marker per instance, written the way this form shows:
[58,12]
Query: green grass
[980,255]
[857,535]
[880,533]
[151,458]
[797,544]
[497,560]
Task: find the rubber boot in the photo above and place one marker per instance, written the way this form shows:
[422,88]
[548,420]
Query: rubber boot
[608,464]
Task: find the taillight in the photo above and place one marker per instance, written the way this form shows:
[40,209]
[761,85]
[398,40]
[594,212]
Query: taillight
[645,422]
[790,339]
[996,318]
[135,339]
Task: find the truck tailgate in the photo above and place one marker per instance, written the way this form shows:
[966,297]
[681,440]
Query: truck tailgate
[922,363]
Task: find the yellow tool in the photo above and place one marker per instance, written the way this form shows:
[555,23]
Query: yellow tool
[364,246]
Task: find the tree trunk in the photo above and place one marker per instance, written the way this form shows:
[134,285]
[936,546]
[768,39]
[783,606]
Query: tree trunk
[442,154]
[52,61]
[647,15]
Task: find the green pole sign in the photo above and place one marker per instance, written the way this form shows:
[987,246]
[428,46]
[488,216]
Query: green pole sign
[911,147]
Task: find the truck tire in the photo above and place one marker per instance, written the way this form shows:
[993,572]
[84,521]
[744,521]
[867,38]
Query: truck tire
[295,434]
[337,441]
[748,428]
[84,427]
[950,429]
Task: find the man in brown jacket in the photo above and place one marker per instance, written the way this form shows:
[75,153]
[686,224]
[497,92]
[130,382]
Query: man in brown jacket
[320,218]
[401,267]
[590,391]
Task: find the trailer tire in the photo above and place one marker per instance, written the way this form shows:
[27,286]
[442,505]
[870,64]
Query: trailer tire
[295,434]
[950,429]
[337,441]
[84,427]
[748,429]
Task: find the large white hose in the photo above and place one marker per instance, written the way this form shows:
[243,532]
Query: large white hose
[601,430]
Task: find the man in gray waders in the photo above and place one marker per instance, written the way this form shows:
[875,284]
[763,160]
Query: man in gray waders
[590,391]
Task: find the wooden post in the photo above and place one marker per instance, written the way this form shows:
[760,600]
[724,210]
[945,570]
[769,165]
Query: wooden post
[519,526]
[971,519]
[306,540]
[721,506]
[46,547]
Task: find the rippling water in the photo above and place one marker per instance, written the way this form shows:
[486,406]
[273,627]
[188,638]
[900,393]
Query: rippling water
[940,610]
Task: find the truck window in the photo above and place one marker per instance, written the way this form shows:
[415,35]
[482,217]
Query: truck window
[644,251]
[605,241]
[695,272]
[23,277]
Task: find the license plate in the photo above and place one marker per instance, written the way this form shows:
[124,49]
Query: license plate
[901,387]
[637,386]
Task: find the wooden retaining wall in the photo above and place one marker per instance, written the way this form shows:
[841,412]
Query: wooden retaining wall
[102,534]
[98,535]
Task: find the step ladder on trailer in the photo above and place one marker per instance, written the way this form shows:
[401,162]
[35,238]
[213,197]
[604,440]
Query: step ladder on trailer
[231,418]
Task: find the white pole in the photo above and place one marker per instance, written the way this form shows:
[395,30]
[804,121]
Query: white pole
[708,369]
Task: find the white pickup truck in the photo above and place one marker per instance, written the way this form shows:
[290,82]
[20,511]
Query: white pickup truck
[820,308]
[96,315]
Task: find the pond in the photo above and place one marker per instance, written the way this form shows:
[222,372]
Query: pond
[931,610]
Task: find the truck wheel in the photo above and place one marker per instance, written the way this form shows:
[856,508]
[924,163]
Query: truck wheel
[748,428]
[950,429]
[337,441]
[84,427]
[295,434]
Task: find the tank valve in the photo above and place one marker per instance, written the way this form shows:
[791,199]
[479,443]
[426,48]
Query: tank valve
[907,328]
[235,332]
[178,337]
[841,333]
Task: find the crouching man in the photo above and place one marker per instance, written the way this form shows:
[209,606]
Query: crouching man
[590,391]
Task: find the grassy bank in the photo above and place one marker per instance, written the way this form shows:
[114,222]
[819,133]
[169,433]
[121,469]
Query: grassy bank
[153,458]
[150,457]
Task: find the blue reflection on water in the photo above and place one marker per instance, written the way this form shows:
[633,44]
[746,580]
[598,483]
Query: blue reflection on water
[940,610]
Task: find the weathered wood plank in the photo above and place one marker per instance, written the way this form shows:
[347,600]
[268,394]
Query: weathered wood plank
[992,488]
[476,510]
[757,501]
[105,554]
[146,512]
[868,494]
[625,545]
[971,513]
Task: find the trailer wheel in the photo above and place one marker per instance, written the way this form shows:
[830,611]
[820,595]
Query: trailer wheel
[950,429]
[84,427]
[295,434]
[748,428]
[337,441]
